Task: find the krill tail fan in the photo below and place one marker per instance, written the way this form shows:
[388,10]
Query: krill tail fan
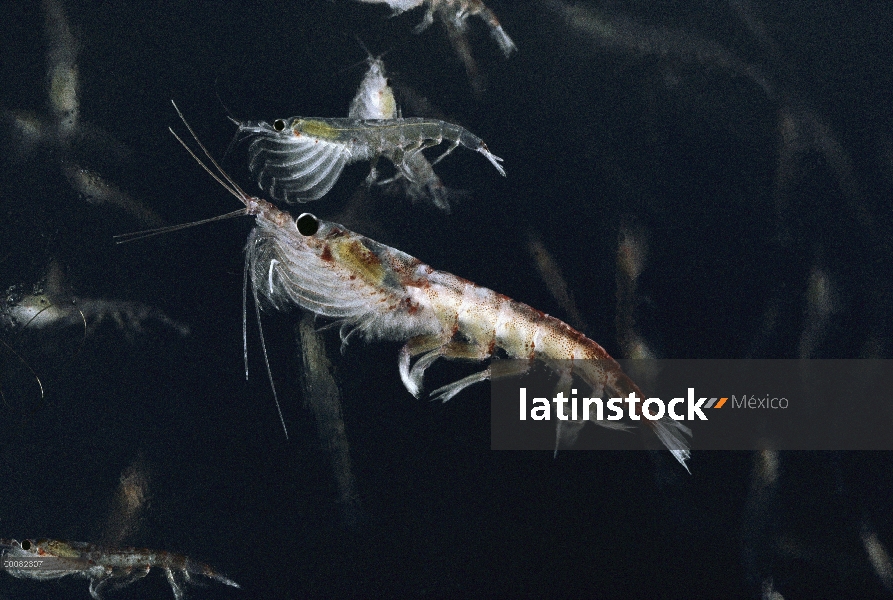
[671,433]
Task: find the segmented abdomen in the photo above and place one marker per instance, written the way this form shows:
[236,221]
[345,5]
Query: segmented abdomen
[496,321]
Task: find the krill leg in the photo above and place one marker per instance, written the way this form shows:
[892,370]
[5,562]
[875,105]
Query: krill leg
[97,584]
[452,147]
[461,351]
[175,585]
[136,574]
[426,22]
[373,172]
[497,370]
[412,348]
[411,148]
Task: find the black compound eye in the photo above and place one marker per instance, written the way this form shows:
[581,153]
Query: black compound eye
[26,544]
[307,224]
[278,124]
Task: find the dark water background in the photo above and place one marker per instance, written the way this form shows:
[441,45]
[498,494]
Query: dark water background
[666,138]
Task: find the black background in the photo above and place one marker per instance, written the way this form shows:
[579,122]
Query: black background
[594,135]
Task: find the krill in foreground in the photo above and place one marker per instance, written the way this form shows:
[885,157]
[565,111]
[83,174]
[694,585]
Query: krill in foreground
[386,294]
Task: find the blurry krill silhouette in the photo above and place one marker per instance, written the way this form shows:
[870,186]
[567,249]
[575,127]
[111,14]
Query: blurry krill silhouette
[454,16]
[801,131]
[125,517]
[45,319]
[62,133]
[550,273]
[322,396]
[632,253]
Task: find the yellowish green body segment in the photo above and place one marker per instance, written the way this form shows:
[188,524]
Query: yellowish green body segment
[358,259]
[62,549]
[300,159]
[316,128]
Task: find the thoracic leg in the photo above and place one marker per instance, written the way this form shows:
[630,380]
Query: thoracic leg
[97,584]
[176,587]
[449,390]
[432,348]
[452,147]
[497,370]
[420,145]
[373,172]
[462,351]
[415,346]
[136,574]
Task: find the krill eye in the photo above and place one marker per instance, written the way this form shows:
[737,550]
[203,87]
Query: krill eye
[26,544]
[307,224]
[278,124]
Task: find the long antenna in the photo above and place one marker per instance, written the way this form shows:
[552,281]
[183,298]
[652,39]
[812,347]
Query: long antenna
[230,185]
[233,188]
[123,238]
[263,346]
[219,175]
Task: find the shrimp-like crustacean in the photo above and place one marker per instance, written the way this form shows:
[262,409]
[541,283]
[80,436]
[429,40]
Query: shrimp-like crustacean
[456,13]
[375,100]
[453,14]
[106,568]
[385,294]
[300,159]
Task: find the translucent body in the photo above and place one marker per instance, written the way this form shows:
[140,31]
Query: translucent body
[455,12]
[384,293]
[300,159]
[375,100]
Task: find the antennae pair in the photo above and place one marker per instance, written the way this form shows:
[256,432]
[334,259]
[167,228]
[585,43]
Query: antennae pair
[219,175]
[223,179]
[123,238]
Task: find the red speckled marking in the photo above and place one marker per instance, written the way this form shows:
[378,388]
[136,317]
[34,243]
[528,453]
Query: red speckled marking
[411,307]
